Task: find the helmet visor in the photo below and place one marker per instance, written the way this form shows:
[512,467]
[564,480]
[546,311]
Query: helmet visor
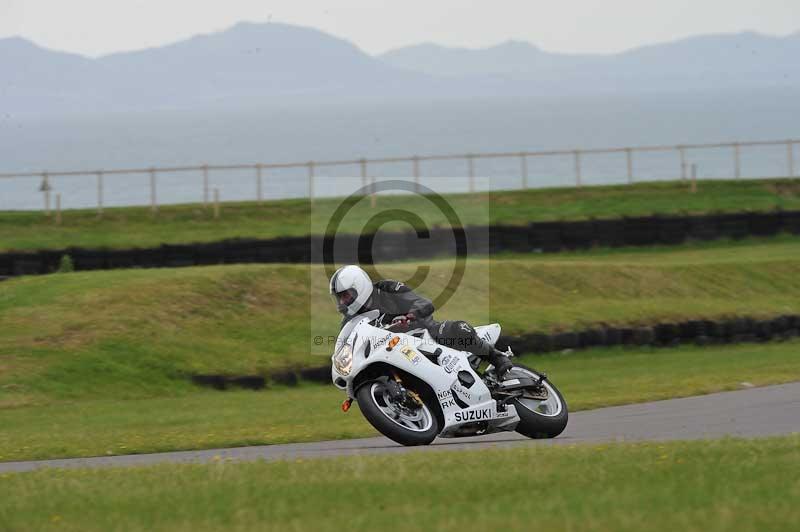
[344,299]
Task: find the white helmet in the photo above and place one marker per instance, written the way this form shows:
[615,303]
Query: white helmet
[351,288]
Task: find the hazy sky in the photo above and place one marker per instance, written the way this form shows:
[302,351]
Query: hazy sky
[96,27]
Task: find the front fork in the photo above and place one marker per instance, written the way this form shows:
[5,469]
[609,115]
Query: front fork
[402,395]
[397,393]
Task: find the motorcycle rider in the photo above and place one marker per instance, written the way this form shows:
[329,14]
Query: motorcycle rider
[354,293]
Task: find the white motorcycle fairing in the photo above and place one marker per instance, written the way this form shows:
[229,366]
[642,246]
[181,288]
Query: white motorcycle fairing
[466,403]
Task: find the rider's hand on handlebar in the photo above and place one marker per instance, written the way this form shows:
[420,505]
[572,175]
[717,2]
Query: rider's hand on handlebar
[402,323]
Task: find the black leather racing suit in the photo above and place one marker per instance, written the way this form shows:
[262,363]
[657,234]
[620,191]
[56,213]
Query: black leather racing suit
[393,298]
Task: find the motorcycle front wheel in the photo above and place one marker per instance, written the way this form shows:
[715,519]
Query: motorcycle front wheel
[406,426]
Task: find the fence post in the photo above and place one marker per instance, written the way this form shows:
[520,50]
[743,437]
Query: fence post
[205,185]
[694,179]
[737,165]
[790,157]
[46,188]
[682,152]
[523,163]
[216,203]
[362,165]
[58,209]
[311,181]
[415,160]
[578,181]
[471,168]
[259,184]
[100,193]
[629,161]
[153,198]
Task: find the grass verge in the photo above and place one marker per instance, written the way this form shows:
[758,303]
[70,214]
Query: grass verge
[206,419]
[137,227]
[706,486]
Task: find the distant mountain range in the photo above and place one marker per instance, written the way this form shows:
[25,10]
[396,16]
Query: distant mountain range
[256,64]
[747,58]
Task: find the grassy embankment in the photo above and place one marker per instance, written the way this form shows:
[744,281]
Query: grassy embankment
[705,486]
[136,227]
[98,362]
[140,332]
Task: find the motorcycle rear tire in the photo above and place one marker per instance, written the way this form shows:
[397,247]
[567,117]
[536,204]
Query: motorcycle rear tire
[538,426]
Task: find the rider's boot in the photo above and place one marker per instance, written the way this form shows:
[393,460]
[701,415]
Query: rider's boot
[495,357]
[501,363]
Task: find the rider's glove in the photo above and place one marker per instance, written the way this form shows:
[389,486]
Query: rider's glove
[401,323]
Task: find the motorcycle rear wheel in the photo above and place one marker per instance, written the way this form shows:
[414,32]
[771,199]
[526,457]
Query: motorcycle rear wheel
[540,419]
[404,426]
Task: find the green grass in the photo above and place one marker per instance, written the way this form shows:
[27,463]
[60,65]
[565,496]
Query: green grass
[708,486]
[209,419]
[97,362]
[135,226]
[751,249]
[140,333]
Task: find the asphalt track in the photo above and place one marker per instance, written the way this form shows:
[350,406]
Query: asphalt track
[754,412]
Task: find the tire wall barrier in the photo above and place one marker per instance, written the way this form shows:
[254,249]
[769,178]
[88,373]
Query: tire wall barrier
[669,334]
[548,237]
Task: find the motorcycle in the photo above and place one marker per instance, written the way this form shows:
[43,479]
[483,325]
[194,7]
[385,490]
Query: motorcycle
[413,389]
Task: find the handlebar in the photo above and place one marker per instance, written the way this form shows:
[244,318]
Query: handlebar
[395,327]
[403,327]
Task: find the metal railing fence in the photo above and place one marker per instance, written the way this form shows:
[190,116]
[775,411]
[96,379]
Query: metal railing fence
[363,165]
